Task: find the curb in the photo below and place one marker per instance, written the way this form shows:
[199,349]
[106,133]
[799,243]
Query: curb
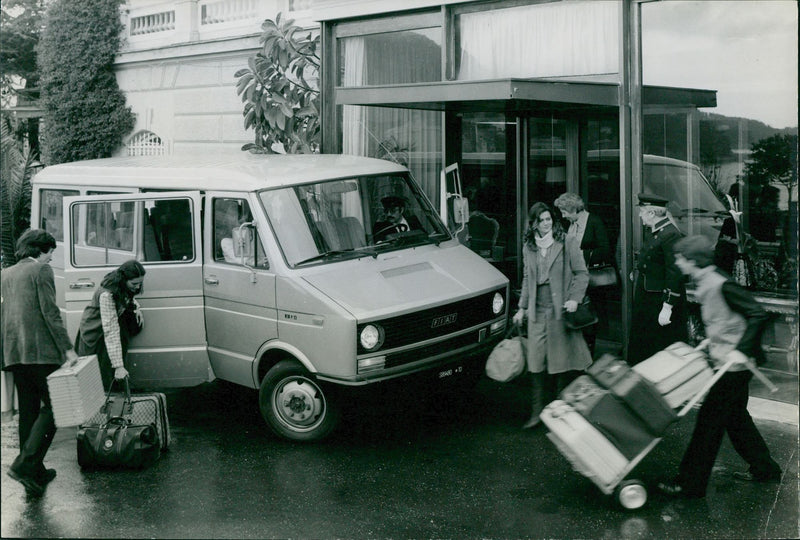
[776,411]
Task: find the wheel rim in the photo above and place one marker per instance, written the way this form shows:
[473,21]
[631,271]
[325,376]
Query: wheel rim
[299,404]
[632,496]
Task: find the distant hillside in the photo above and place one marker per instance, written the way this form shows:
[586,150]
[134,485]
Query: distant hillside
[755,130]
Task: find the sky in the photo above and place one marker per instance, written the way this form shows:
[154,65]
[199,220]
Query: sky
[746,50]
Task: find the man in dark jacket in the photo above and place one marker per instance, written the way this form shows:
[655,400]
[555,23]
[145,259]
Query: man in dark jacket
[734,323]
[35,344]
[659,297]
[395,221]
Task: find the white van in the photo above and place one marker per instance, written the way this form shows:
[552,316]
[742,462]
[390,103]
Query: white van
[266,271]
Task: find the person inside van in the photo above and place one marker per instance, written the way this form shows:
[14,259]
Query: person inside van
[659,297]
[111,319]
[395,220]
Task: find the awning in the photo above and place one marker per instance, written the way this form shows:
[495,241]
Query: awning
[515,95]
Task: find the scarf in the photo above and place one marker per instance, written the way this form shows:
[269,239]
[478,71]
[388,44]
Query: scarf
[544,242]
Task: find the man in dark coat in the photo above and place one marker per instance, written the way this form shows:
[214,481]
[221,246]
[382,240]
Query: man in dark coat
[35,344]
[395,219]
[659,298]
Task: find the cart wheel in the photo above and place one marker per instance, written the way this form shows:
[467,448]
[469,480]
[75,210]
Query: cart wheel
[631,494]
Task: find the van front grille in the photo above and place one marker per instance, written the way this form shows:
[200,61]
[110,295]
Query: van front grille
[434,322]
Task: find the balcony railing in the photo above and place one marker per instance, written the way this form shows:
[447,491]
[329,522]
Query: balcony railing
[152,23]
[224,11]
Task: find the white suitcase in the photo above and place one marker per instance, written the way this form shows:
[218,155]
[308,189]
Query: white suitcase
[678,372]
[76,392]
[587,449]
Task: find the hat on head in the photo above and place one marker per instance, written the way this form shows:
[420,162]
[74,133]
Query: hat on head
[393,201]
[646,199]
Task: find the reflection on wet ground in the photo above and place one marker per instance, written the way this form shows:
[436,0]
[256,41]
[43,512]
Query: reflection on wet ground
[406,463]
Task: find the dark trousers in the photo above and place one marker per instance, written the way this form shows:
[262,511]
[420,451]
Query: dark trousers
[647,337]
[724,410]
[36,424]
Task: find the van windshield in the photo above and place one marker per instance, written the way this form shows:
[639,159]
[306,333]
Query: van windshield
[351,217]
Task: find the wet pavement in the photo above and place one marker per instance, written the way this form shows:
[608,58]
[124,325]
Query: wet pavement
[404,464]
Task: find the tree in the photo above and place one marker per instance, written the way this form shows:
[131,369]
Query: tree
[280,92]
[85,114]
[772,161]
[16,169]
[20,26]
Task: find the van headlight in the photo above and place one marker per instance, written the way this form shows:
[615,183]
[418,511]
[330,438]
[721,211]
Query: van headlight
[498,303]
[371,337]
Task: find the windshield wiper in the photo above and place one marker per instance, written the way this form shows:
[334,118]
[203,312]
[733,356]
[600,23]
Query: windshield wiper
[361,252]
[324,255]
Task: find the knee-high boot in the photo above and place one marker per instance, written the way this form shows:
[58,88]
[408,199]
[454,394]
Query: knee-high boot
[537,400]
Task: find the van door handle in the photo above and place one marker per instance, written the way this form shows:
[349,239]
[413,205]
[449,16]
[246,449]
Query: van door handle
[211,280]
[82,285]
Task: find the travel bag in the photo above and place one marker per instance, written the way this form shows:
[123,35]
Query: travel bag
[76,391]
[678,372]
[609,414]
[117,441]
[585,447]
[639,394]
[145,408]
[507,359]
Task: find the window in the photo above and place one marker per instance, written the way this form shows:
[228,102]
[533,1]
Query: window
[146,143]
[110,232]
[235,242]
[52,213]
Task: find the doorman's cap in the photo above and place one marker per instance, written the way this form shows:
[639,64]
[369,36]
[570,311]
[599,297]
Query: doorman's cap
[646,199]
[393,201]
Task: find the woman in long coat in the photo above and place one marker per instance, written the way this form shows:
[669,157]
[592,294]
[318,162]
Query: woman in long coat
[554,280]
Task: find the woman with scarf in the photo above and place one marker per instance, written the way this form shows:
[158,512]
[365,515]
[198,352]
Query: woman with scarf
[111,319]
[554,280]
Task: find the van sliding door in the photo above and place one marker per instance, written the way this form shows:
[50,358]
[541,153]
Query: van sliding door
[162,231]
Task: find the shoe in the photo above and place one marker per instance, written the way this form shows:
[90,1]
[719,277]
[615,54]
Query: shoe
[46,476]
[747,476]
[32,485]
[677,491]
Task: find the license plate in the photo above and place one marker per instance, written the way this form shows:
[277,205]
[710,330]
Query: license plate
[449,372]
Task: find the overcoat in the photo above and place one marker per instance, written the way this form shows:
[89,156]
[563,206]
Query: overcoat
[32,329]
[564,349]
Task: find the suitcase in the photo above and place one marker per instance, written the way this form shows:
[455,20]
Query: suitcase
[609,414]
[678,372]
[150,408]
[638,393]
[76,392]
[585,447]
[117,444]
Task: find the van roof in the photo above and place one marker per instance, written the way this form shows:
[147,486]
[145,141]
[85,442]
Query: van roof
[240,171]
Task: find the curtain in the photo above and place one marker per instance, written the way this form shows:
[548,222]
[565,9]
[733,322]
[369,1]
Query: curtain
[547,40]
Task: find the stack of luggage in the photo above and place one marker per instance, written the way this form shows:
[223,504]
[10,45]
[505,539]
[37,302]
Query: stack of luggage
[606,421]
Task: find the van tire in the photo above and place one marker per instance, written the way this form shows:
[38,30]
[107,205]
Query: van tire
[294,405]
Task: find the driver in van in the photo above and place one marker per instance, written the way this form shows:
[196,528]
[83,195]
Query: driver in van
[395,221]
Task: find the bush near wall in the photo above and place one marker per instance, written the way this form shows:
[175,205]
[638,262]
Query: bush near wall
[85,114]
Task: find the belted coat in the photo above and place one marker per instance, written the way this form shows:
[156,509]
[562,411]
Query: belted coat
[564,349]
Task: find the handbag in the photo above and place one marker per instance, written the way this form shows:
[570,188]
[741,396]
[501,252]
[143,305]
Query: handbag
[117,442]
[602,275]
[582,317]
[507,359]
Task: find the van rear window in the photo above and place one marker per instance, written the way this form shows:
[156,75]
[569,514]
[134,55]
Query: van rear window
[51,211]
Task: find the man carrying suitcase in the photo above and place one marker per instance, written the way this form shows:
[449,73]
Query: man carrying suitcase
[734,322]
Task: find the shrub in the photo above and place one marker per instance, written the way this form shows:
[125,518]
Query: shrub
[85,116]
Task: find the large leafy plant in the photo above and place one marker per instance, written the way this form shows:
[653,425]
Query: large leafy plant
[16,170]
[280,91]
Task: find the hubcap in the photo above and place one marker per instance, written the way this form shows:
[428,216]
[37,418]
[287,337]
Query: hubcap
[299,403]
[632,496]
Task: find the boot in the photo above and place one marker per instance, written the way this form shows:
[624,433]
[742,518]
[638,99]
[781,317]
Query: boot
[537,401]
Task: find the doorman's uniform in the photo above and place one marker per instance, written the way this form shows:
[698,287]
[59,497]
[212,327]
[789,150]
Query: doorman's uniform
[658,281]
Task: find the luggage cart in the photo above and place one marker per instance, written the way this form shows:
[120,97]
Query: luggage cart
[591,455]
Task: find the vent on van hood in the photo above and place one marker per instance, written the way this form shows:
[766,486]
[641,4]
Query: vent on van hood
[403,270]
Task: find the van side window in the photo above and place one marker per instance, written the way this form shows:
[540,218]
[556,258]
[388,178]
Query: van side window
[103,233]
[168,230]
[52,212]
[234,244]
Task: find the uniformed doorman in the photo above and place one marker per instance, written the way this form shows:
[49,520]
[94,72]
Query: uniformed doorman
[659,298]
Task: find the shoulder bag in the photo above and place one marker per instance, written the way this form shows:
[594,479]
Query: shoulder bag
[601,275]
[582,317]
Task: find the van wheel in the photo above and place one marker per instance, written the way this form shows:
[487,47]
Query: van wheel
[294,405]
